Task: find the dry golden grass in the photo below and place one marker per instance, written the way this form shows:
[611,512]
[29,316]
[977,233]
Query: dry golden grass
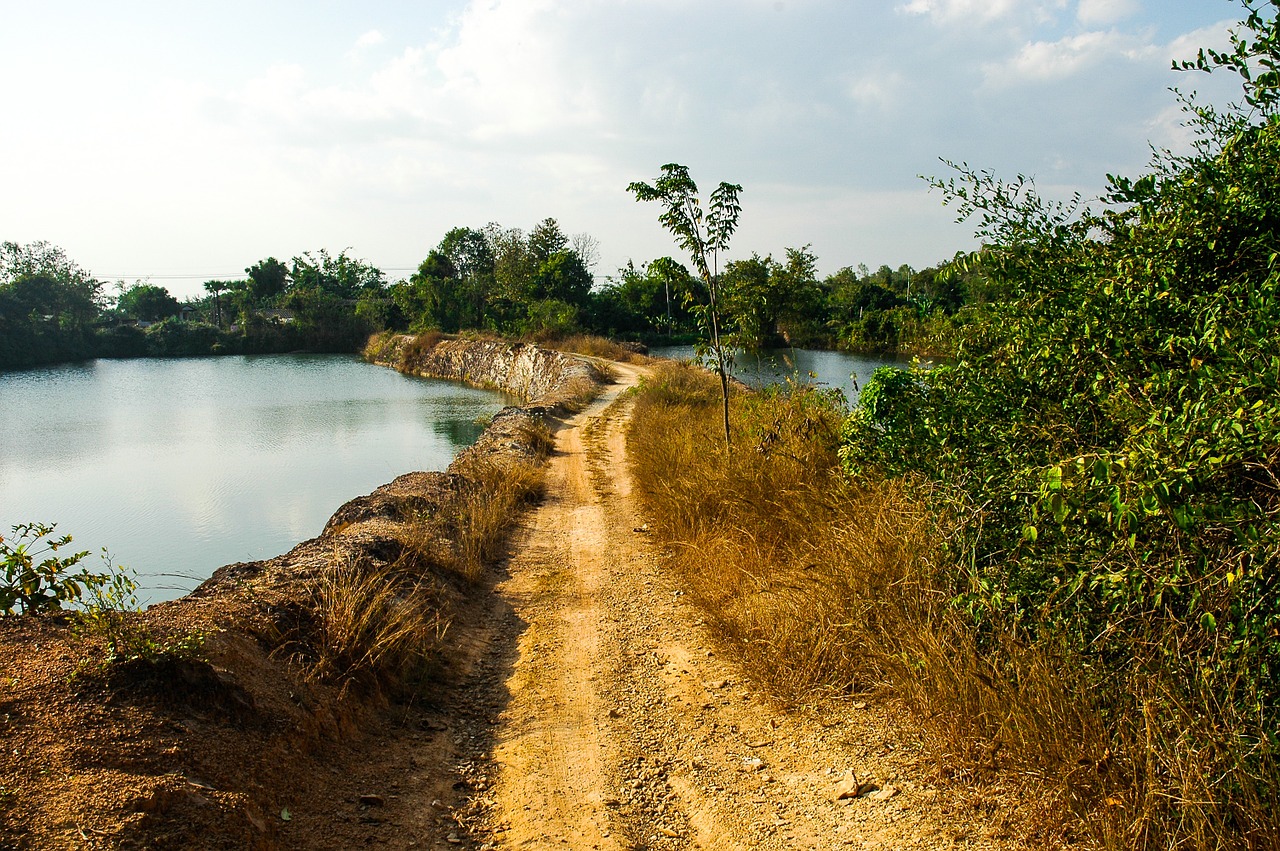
[498,485]
[827,589]
[378,347]
[377,628]
[417,349]
[371,628]
[593,346]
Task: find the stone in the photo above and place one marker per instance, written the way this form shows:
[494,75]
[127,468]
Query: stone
[849,787]
[884,793]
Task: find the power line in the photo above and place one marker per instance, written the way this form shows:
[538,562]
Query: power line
[202,277]
[173,277]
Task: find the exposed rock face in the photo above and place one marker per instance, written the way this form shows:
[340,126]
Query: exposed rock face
[536,376]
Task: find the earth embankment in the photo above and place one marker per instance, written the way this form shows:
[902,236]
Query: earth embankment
[217,731]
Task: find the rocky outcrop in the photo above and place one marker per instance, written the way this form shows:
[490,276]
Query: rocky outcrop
[537,377]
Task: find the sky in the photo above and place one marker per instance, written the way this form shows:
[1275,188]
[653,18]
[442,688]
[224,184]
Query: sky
[180,142]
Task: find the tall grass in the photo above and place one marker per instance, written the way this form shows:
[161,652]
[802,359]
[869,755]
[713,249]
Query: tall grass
[374,629]
[593,346]
[375,624]
[827,589]
[499,485]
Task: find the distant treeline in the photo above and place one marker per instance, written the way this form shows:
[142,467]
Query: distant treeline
[535,285]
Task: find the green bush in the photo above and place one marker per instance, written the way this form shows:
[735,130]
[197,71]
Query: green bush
[1107,444]
[34,577]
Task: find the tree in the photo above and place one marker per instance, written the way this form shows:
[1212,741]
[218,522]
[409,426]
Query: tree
[430,297]
[562,277]
[267,280]
[47,305]
[513,268]
[344,277]
[1112,439]
[216,289]
[149,303]
[750,301]
[650,298]
[472,257]
[546,240]
[587,247]
[704,237]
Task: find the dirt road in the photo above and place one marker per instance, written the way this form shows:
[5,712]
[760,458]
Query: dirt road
[603,716]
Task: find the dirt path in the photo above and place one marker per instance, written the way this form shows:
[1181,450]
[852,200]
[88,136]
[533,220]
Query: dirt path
[603,716]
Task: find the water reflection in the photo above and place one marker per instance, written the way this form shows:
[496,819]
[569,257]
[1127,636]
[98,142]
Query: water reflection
[178,467]
[840,370]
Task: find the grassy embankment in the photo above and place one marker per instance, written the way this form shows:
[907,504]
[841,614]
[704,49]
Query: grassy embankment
[827,588]
[383,625]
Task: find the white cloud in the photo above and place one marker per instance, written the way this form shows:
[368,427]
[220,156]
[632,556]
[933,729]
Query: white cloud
[1055,60]
[978,10]
[951,9]
[1104,12]
[372,38]
[878,89]
[1188,45]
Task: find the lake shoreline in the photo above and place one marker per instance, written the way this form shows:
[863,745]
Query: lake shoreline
[228,714]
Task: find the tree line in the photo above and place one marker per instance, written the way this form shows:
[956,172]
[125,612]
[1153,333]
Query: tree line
[537,284]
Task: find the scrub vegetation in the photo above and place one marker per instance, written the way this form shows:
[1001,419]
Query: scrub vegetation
[1061,548]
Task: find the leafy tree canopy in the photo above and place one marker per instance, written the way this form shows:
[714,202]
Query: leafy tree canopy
[148,302]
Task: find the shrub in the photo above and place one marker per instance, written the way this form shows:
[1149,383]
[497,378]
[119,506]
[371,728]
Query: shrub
[1109,446]
[36,578]
[372,627]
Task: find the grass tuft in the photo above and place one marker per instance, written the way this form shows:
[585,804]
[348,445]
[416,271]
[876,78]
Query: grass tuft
[593,346]
[373,628]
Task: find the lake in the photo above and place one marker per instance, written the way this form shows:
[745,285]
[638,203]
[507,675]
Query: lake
[845,372]
[178,467]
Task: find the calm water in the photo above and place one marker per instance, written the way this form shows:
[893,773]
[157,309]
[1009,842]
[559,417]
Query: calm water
[842,371]
[178,467]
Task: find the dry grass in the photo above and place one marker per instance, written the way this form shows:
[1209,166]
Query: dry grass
[373,629]
[378,348]
[499,485]
[376,628]
[417,349]
[827,589]
[593,346]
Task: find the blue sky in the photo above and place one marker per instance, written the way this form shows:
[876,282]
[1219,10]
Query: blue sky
[159,140]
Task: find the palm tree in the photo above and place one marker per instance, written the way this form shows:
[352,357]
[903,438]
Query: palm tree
[216,287]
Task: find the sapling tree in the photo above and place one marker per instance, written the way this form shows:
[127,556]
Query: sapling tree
[704,236]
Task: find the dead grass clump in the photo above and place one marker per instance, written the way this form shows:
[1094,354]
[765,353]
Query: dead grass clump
[594,346]
[578,392]
[379,347]
[499,484]
[373,629]
[418,349]
[825,589]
